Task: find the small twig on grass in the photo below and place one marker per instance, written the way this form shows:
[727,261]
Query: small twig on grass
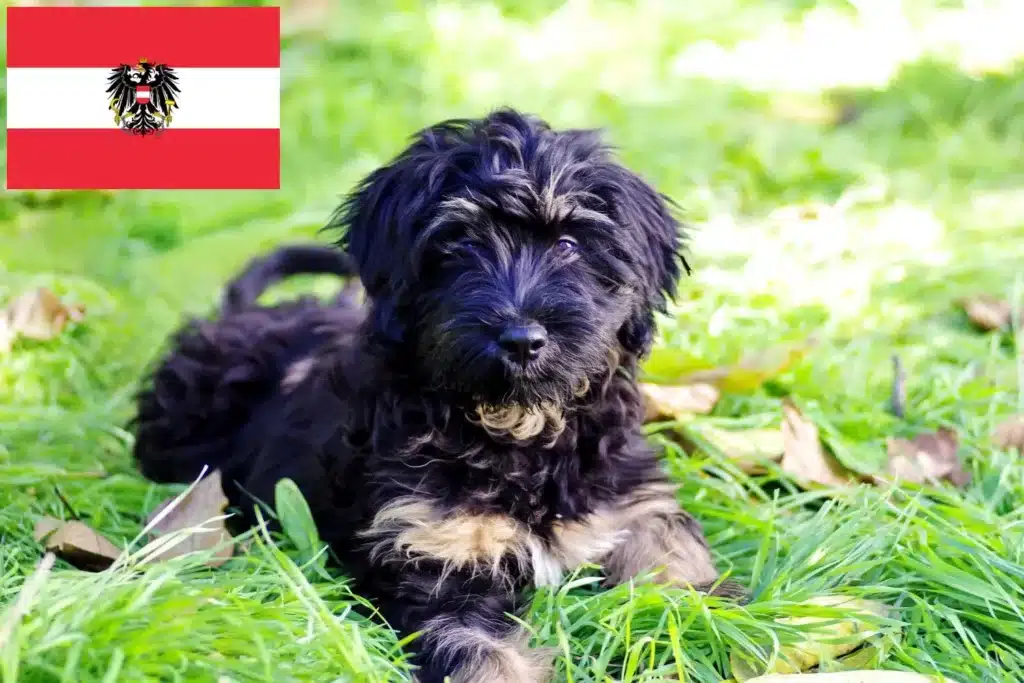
[67,504]
[898,400]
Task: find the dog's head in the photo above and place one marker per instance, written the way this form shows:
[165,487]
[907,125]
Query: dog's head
[510,261]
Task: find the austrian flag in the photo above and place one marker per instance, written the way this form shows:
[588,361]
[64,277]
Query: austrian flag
[143,98]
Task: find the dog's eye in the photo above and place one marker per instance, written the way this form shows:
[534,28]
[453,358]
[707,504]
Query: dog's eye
[566,246]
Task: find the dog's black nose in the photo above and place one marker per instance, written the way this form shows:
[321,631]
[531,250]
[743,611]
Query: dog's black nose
[523,342]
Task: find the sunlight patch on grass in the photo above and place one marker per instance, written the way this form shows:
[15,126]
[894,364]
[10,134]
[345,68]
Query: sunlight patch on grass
[832,256]
[579,48]
[828,49]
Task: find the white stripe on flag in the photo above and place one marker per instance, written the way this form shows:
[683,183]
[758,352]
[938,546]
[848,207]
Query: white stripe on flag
[209,98]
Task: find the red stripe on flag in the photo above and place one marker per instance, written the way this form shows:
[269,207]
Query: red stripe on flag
[115,159]
[176,36]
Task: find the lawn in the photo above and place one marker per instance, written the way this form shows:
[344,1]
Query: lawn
[850,170]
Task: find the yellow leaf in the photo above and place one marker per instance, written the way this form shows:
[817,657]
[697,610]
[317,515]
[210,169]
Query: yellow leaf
[833,637]
[803,455]
[749,448]
[754,369]
[677,402]
[667,364]
[852,677]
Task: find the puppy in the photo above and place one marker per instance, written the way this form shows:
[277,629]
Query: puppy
[475,429]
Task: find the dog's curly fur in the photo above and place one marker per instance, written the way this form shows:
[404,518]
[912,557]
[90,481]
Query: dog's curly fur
[445,474]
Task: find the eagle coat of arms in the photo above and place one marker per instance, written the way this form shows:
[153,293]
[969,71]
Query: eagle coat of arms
[142,96]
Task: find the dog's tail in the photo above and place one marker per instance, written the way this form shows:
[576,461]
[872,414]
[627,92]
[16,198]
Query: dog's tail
[264,272]
[199,396]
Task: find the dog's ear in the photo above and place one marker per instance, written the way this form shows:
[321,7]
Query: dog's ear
[657,240]
[380,220]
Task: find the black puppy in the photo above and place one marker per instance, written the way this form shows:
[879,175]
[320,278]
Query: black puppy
[475,429]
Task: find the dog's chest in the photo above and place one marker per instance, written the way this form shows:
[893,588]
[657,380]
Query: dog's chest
[537,487]
[483,503]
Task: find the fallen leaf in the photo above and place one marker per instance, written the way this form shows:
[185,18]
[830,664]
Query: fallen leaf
[987,312]
[677,402]
[38,315]
[853,677]
[301,16]
[76,543]
[297,522]
[750,449]
[752,370]
[1010,434]
[835,636]
[927,458]
[803,455]
[667,364]
[199,508]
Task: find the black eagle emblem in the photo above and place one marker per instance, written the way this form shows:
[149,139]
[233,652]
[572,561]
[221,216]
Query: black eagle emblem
[142,96]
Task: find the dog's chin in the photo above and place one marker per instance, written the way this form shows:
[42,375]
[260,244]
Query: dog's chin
[526,403]
[531,386]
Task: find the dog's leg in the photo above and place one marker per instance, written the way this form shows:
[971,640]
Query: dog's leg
[465,633]
[454,577]
[651,533]
[470,639]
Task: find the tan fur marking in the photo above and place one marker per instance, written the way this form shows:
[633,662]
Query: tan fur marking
[522,423]
[411,527]
[647,531]
[588,539]
[557,206]
[490,659]
[664,537]
[554,206]
[461,207]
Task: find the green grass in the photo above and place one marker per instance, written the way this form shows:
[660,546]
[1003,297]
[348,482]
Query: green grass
[924,191]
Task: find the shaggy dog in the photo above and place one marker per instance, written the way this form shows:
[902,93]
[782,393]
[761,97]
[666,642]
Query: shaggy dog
[475,429]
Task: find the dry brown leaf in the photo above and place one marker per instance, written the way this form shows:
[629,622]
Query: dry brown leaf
[754,369]
[677,402]
[834,638]
[748,448]
[76,543]
[39,315]
[302,16]
[927,458]
[987,312]
[853,677]
[198,508]
[1010,434]
[803,455]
